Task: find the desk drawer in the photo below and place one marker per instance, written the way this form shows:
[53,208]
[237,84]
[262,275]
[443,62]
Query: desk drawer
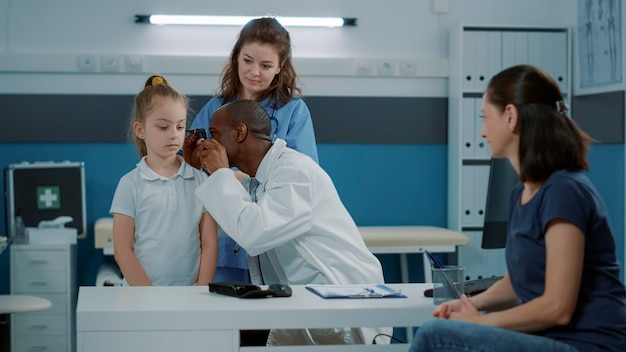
[59,302]
[40,324]
[33,282]
[40,260]
[192,341]
[40,344]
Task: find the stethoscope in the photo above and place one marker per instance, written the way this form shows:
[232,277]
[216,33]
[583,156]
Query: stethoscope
[273,118]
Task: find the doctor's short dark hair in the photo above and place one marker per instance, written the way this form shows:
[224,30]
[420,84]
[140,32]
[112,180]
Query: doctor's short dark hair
[252,114]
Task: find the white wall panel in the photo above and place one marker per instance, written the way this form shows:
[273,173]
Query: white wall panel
[37,37]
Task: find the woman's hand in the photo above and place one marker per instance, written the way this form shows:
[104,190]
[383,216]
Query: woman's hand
[456,309]
[468,311]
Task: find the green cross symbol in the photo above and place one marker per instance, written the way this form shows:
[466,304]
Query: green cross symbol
[48,197]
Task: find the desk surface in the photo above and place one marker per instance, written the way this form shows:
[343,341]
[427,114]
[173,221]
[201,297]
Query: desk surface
[193,308]
[22,303]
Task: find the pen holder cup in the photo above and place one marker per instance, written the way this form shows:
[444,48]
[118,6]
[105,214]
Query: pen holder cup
[448,283]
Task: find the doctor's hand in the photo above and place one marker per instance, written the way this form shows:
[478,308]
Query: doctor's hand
[191,152]
[212,155]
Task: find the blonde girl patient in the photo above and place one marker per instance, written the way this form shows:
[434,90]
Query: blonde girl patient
[162,235]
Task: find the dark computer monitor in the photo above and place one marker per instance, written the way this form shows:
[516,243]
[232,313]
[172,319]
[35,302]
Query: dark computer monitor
[502,178]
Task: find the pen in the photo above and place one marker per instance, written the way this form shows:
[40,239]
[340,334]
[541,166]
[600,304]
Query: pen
[447,282]
[368,293]
[434,261]
[439,262]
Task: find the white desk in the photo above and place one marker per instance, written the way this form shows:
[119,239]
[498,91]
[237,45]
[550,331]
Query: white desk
[411,239]
[379,239]
[170,318]
[22,303]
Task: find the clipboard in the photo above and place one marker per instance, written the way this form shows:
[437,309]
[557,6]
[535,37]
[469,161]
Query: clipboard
[354,291]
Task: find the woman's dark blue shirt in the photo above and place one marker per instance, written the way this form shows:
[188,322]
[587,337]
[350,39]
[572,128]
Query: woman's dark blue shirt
[599,321]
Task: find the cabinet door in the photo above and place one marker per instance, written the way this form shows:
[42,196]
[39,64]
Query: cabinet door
[158,341]
[40,324]
[40,343]
[40,260]
[36,282]
[59,303]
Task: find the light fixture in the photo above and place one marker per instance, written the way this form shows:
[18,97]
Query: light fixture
[241,20]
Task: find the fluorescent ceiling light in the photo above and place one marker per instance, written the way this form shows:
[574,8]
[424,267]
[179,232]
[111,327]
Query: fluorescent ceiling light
[241,20]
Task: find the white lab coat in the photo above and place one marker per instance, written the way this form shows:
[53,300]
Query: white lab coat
[302,227]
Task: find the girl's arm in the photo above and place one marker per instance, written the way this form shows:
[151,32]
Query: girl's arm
[123,239]
[565,245]
[208,249]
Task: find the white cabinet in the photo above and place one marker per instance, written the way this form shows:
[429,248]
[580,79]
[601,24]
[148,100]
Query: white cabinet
[47,271]
[477,53]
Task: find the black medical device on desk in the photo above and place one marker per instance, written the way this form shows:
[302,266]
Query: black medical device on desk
[245,290]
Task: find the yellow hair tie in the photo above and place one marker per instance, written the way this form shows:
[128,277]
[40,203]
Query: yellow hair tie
[157,80]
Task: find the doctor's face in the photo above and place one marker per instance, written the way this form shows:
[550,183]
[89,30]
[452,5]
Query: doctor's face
[221,130]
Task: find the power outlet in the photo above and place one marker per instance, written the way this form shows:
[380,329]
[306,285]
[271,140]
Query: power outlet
[407,68]
[110,64]
[133,63]
[364,68]
[86,63]
[440,6]
[386,67]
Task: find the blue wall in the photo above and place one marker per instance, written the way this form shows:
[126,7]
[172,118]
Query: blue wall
[606,171]
[379,184]
[375,185]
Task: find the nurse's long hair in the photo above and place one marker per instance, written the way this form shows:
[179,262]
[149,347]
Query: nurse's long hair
[548,139]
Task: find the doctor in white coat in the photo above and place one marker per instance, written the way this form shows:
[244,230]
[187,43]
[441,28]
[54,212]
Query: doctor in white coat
[293,225]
